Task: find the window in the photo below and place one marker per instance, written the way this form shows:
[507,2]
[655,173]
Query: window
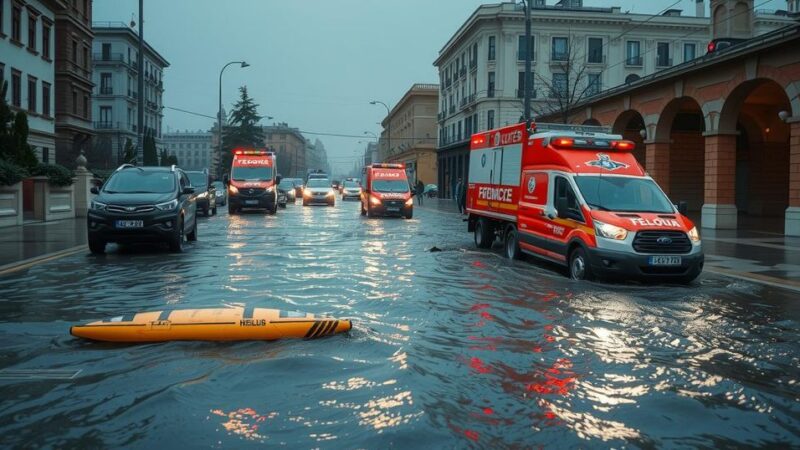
[75,102]
[16,88]
[491,48]
[32,94]
[490,87]
[75,52]
[689,52]
[2,16]
[459,130]
[46,41]
[593,84]
[662,55]
[31,31]
[86,106]
[86,57]
[45,99]
[45,155]
[2,67]
[16,24]
[105,83]
[560,49]
[566,195]
[107,52]
[105,116]
[595,51]
[560,88]
[490,119]
[522,48]
[475,53]
[521,85]
[633,54]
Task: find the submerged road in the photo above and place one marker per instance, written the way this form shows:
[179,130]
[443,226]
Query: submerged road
[455,348]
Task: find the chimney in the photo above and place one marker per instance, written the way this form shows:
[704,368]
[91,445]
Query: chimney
[701,8]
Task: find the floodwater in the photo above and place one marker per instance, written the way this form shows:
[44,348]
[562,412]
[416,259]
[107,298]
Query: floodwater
[458,348]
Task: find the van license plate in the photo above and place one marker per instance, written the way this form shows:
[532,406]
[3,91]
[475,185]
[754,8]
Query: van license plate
[251,202]
[130,223]
[665,261]
[393,209]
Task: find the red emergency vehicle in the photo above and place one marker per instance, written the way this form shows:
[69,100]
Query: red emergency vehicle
[576,196]
[385,191]
[253,181]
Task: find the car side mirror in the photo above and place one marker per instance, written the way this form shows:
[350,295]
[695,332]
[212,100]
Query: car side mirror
[226,179]
[94,190]
[683,208]
[561,208]
[278,179]
[188,190]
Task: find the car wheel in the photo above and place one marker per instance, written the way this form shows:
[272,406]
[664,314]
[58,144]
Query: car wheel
[231,209]
[176,243]
[484,236]
[214,210]
[205,212]
[282,205]
[512,244]
[192,236]
[579,267]
[409,214]
[363,211]
[369,212]
[97,247]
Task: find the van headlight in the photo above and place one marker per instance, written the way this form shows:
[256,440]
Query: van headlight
[233,189]
[375,200]
[168,206]
[609,231]
[97,206]
[694,235]
[330,193]
[203,195]
[410,202]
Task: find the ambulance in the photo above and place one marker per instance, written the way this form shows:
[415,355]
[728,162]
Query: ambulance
[577,197]
[253,181]
[385,191]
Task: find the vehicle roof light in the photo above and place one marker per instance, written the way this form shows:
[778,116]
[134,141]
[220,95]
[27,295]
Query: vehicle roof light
[564,142]
[623,145]
[388,166]
[478,140]
[240,151]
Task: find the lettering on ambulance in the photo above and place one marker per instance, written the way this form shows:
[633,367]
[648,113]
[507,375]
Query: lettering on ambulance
[532,203]
[253,162]
[655,222]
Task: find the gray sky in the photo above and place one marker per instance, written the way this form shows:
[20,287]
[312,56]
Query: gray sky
[314,64]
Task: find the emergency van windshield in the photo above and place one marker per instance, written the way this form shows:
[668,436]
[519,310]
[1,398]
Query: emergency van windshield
[249,173]
[390,186]
[623,194]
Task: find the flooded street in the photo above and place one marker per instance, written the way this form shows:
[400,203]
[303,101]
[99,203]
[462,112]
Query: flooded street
[455,348]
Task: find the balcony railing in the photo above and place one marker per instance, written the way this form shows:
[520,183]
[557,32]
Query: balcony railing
[521,93]
[559,56]
[634,61]
[473,64]
[108,57]
[471,99]
[521,55]
[133,94]
[463,71]
[490,92]
[452,109]
[105,125]
[663,62]
[596,59]
[106,90]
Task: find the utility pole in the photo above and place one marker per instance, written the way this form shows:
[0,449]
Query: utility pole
[140,103]
[528,75]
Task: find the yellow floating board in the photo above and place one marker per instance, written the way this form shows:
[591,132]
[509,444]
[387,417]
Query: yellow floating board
[211,324]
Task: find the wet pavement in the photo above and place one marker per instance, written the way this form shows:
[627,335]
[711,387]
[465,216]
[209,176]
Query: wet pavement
[456,348]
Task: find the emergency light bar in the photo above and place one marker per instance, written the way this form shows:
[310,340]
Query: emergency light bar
[239,151]
[388,166]
[575,143]
[544,127]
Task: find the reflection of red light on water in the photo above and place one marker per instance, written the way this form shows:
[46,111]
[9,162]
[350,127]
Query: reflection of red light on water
[471,434]
[490,347]
[488,411]
[477,365]
[548,327]
[550,415]
[486,315]
[537,349]
[549,338]
[478,264]
[479,306]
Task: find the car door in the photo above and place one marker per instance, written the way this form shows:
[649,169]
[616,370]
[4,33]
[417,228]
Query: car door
[569,217]
[190,203]
[533,208]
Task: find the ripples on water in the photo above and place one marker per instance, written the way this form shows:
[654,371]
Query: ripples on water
[451,349]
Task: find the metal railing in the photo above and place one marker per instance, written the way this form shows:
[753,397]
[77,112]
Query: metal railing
[596,59]
[636,61]
[663,62]
[559,56]
[521,55]
[106,90]
[521,93]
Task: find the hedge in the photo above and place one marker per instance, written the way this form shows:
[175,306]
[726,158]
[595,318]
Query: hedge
[11,173]
[56,174]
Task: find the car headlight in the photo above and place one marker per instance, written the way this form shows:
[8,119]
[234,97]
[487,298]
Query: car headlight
[306,193]
[168,206]
[203,195]
[410,202]
[270,189]
[609,231]
[232,189]
[330,193]
[375,201]
[97,206]
[694,235]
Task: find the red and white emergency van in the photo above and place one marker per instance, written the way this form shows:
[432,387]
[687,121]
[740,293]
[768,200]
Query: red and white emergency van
[385,191]
[576,196]
[253,181]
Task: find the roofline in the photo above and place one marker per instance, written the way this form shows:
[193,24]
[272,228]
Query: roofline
[100,30]
[415,89]
[753,45]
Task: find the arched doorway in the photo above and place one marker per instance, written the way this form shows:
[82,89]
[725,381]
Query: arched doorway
[630,125]
[682,125]
[631,78]
[593,122]
[762,152]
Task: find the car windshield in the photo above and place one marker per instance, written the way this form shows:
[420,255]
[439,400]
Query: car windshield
[219,185]
[198,179]
[252,173]
[390,185]
[350,184]
[318,183]
[623,194]
[286,184]
[132,181]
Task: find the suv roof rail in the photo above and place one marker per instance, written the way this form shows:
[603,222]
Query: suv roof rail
[124,166]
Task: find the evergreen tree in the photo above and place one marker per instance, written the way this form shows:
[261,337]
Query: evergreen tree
[14,130]
[130,153]
[163,158]
[150,154]
[172,160]
[243,129]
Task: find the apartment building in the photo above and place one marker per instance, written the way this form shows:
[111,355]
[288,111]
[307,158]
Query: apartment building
[116,79]
[574,48]
[193,149]
[289,146]
[27,31]
[413,127]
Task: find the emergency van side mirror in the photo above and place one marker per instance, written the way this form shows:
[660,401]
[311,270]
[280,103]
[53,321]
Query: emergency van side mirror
[278,179]
[226,180]
[683,208]
[94,190]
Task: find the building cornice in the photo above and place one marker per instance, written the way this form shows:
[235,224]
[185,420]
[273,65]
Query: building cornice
[101,31]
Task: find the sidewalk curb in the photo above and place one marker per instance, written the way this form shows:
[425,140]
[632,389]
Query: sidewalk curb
[26,263]
[755,278]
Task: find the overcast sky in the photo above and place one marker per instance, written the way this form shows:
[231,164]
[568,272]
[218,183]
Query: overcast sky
[314,64]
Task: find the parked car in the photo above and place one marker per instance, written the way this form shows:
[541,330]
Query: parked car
[206,192]
[143,204]
[222,193]
[288,187]
[431,191]
[298,187]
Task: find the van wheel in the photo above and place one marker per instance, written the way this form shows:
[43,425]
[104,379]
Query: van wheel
[483,234]
[409,214]
[192,236]
[176,242]
[579,268]
[214,210]
[97,247]
[231,209]
[512,244]
[363,211]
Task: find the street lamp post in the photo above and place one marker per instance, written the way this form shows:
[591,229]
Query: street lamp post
[528,81]
[242,64]
[388,124]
